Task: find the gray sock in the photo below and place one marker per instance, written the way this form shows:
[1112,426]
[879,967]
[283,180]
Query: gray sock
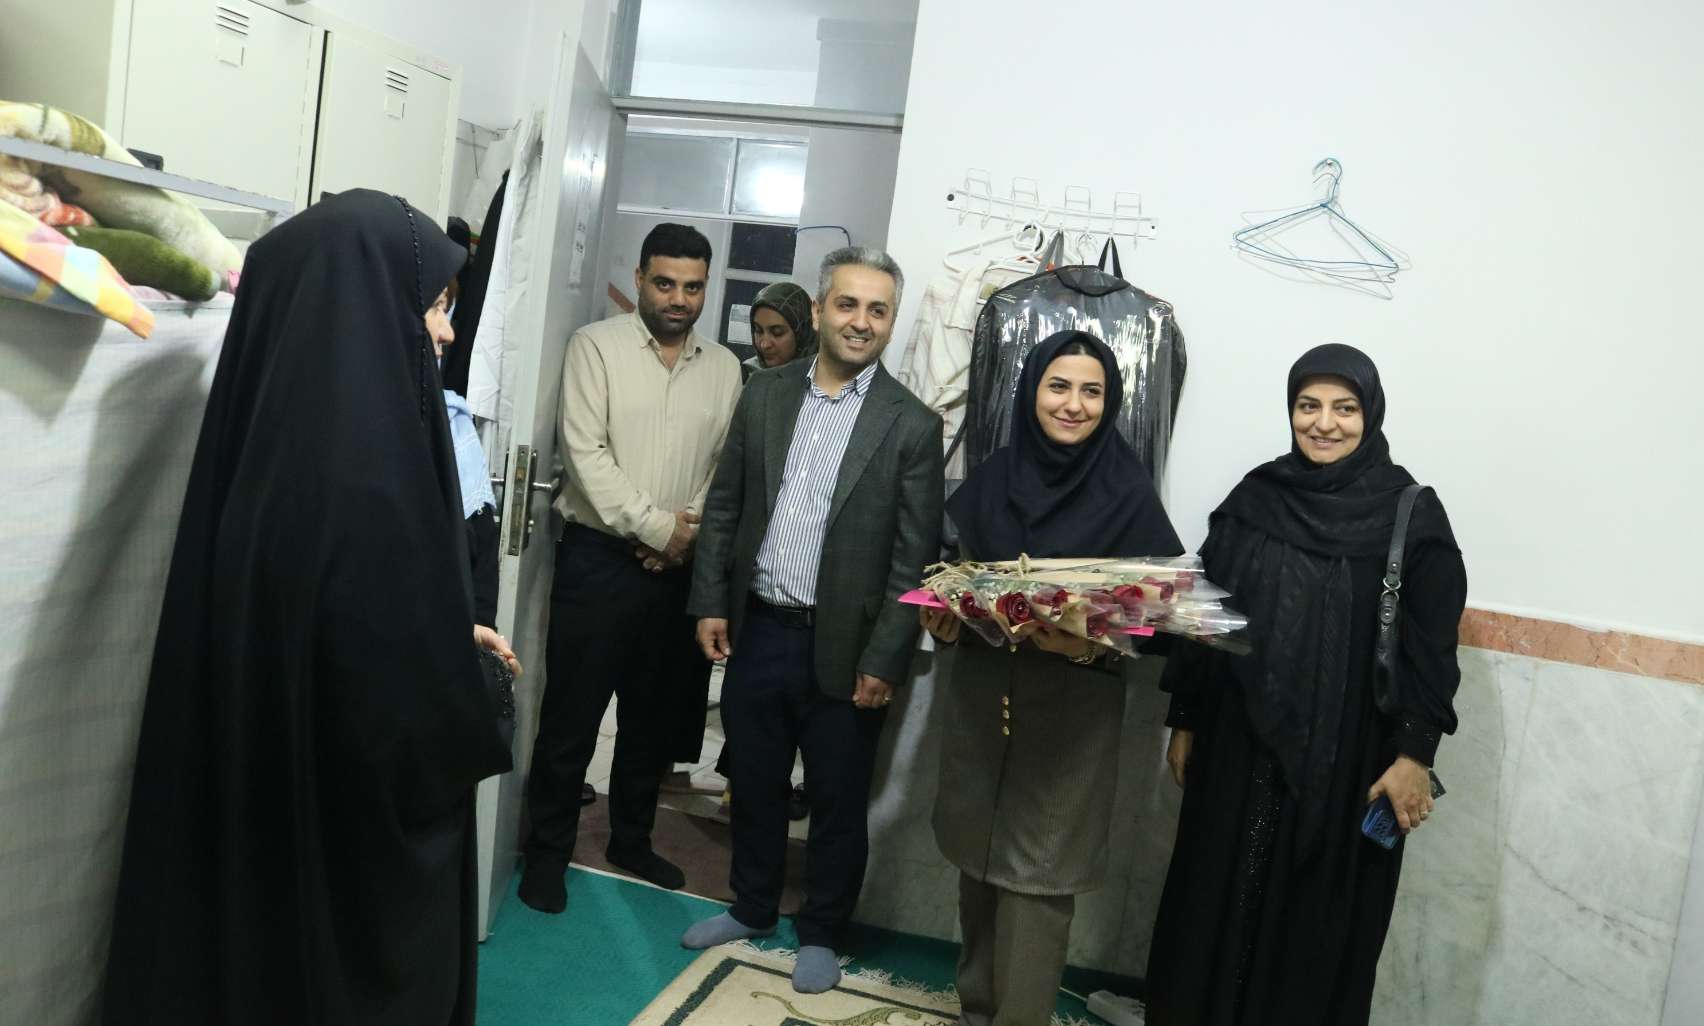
[719,930]
[818,970]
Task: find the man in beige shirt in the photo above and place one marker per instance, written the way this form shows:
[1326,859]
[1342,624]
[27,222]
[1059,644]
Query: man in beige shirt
[646,404]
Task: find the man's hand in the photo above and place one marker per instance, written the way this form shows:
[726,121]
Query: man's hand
[491,641]
[680,543]
[713,639]
[651,559]
[872,692]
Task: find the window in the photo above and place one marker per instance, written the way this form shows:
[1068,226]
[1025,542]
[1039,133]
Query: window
[769,180]
[676,172]
[715,175]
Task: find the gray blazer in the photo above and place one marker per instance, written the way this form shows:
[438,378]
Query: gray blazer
[884,523]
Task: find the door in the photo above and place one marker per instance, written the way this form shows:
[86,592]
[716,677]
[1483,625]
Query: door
[225,92]
[384,124]
[579,149]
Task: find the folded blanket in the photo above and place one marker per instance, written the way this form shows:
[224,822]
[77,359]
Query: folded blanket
[20,282]
[144,260]
[165,215]
[82,273]
[20,187]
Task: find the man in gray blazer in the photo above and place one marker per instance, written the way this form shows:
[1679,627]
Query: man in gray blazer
[825,508]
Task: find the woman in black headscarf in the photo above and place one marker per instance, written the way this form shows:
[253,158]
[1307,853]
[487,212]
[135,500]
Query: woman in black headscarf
[1275,907]
[300,841]
[1030,753]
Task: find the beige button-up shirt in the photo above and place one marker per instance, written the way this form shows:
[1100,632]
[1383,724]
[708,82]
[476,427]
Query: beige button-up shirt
[639,440]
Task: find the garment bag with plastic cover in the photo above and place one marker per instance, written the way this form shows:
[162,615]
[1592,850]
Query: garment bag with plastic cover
[1141,329]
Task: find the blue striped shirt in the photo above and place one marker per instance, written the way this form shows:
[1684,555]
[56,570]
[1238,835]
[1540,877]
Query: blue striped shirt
[791,554]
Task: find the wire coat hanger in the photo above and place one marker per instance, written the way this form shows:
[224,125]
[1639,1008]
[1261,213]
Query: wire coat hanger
[1374,265]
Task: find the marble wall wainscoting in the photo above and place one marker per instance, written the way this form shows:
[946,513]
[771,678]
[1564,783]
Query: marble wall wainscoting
[1598,785]
[1547,889]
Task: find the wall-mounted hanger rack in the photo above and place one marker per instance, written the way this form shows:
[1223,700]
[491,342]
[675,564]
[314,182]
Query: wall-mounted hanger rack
[973,200]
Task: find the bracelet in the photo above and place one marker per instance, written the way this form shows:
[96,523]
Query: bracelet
[1087,657]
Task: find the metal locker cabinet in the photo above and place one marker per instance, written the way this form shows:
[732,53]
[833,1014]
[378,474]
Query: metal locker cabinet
[384,124]
[225,92]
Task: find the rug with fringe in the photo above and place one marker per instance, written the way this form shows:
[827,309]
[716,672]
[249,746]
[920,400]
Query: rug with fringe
[744,985]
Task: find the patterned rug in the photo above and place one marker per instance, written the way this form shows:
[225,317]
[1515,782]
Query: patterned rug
[737,985]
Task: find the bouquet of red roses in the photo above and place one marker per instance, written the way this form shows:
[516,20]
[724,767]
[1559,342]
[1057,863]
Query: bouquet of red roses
[1113,602]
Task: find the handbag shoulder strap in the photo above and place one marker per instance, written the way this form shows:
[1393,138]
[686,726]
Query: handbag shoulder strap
[1399,541]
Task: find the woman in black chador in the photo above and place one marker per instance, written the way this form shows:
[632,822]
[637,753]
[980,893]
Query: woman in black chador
[1275,907]
[300,841]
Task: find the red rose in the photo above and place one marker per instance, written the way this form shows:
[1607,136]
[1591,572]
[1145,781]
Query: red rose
[1015,608]
[1097,625]
[971,609]
[1166,590]
[1130,596]
[1056,598]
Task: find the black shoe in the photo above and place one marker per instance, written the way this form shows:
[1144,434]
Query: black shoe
[648,866]
[798,806]
[544,885]
[588,795]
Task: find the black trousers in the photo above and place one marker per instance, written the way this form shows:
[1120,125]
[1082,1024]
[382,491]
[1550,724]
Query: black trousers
[773,709]
[615,629]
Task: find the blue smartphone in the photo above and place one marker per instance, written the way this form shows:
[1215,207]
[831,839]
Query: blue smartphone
[1379,825]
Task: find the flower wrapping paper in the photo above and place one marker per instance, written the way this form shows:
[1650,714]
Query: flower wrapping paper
[1111,601]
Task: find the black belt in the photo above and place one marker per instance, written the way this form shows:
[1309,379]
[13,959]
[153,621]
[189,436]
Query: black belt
[799,617]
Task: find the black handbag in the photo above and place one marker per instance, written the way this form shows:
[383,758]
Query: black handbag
[1386,649]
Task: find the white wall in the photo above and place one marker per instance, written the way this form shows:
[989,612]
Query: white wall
[849,176]
[849,179]
[767,51]
[1539,162]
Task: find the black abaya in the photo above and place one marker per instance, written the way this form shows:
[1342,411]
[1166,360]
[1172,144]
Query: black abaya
[1256,925]
[299,843]
[476,282]
[1275,907]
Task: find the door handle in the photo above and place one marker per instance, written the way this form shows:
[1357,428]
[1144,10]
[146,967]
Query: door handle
[520,529]
[526,466]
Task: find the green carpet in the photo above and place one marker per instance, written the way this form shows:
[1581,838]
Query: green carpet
[618,947]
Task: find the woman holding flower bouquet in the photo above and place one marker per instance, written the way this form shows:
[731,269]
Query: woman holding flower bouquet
[1275,907]
[1031,745]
